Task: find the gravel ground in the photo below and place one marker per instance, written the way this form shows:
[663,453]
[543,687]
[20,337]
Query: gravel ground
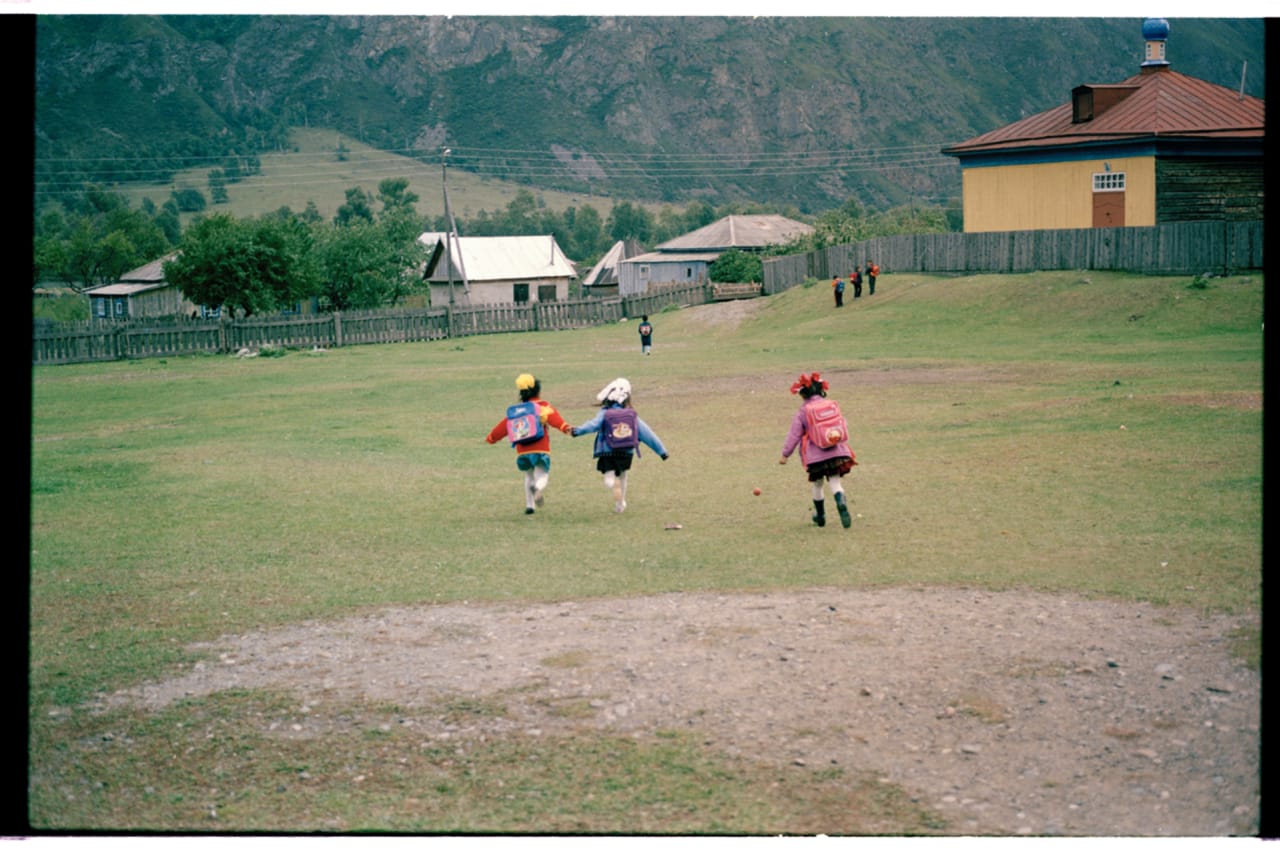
[1006,713]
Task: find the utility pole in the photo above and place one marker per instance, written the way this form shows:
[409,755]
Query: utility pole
[451,239]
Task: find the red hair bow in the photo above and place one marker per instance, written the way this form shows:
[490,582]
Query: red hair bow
[807,380]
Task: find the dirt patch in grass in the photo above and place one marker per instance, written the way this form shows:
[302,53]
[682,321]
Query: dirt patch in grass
[1238,400]
[1004,713]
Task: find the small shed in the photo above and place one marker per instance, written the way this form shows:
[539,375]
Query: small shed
[687,259]
[602,280]
[495,269]
[140,293]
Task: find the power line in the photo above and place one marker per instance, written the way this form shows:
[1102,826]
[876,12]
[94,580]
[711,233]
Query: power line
[309,170]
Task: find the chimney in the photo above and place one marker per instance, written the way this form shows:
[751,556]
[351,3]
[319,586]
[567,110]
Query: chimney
[1156,32]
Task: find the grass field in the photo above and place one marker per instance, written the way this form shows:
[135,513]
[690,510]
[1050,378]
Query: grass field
[1078,432]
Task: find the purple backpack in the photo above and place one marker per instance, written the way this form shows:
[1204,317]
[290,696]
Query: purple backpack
[621,428]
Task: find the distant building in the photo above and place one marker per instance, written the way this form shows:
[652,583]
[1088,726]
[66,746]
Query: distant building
[495,269]
[140,293]
[686,259]
[602,280]
[1158,147]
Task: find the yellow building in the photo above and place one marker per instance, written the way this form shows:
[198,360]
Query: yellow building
[1158,147]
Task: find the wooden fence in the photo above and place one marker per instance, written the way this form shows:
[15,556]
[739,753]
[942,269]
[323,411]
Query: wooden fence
[105,340]
[1183,248]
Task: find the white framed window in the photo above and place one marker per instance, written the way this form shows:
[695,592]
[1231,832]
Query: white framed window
[1108,181]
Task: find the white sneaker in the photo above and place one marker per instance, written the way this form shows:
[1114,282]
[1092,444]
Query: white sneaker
[619,507]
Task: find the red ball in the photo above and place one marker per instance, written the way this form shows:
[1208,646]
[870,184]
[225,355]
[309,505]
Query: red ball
[756,491]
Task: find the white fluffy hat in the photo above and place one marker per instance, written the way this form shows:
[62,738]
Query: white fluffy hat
[618,390]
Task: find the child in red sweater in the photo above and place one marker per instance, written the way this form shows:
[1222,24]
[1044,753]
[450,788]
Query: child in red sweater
[533,457]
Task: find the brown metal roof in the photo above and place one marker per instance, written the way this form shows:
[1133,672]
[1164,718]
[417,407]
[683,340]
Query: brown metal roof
[738,232]
[1161,103]
[150,273]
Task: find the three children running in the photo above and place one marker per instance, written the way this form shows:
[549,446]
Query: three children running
[818,429]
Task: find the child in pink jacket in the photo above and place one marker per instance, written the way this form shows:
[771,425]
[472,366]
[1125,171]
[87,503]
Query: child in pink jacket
[824,464]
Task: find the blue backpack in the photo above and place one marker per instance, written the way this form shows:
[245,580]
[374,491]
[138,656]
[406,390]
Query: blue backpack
[524,423]
[621,429]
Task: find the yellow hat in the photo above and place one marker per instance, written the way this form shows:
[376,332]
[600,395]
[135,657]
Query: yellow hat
[525,381]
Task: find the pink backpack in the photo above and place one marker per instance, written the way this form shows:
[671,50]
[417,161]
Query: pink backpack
[825,424]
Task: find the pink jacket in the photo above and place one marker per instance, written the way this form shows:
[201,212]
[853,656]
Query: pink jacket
[810,453]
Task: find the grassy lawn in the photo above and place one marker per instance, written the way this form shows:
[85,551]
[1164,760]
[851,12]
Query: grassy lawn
[1076,432]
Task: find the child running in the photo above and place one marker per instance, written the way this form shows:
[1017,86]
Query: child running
[619,433]
[822,434]
[532,441]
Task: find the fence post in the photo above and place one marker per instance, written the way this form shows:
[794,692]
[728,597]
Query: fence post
[337,329]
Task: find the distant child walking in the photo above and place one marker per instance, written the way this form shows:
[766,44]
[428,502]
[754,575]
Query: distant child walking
[820,431]
[526,426]
[646,334]
[837,287]
[619,432]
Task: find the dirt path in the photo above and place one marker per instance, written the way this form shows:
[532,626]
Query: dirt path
[1007,713]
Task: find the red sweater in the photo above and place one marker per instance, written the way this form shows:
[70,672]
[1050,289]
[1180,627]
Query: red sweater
[550,417]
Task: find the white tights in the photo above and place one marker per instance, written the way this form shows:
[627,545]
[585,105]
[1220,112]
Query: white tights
[617,483]
[837,487]
[535,482]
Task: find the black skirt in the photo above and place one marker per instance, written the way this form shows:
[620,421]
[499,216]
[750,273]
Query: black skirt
[614,462]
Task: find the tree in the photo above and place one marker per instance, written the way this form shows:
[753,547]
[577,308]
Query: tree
[365,265]
[628,221]
[358,208]
[398,216]
[189,200]
[736,266]
[218,186]
[587,236]
[251,266]
[98,239]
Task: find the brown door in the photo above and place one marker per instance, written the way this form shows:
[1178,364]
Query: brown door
[1108,209]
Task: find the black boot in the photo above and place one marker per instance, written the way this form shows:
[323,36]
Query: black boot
[845,519]
[819,513]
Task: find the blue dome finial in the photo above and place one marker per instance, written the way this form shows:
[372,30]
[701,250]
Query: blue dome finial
[1156,32]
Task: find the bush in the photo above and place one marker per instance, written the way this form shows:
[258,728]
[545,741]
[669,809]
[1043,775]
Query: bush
[736,266]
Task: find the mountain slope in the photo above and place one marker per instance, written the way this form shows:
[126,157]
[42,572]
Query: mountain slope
[806,111]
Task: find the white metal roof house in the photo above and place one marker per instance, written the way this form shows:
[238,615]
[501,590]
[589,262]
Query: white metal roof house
[686,259]
[141,292]
[495,269]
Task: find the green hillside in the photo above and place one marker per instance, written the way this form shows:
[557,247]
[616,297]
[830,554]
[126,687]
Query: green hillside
[312,172]
[803,111]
